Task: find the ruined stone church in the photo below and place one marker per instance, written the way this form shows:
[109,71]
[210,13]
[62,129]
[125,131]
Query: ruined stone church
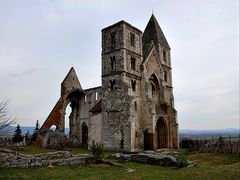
[134,109]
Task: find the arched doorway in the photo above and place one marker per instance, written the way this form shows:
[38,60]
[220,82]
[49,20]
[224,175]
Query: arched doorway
[148,140]
[84,135]
[161,134]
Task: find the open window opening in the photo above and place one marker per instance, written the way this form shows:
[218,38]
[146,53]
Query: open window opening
[112,84]
[113,63]
[68,116]
[132,39]
[113,38]
[53,128]
[165,76]
[135,106]
[133,63]
[154,86]
[133,85]
[96,96]
[164,56]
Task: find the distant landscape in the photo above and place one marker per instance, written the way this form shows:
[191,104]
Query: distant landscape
[29,129]
[211,133]
[183,133]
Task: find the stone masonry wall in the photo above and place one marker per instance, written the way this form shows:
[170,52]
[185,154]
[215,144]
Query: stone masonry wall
[115,111]
[95,128]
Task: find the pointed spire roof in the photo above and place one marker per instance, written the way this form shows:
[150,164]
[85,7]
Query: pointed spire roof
[153,32]
[71,71]
[71,81]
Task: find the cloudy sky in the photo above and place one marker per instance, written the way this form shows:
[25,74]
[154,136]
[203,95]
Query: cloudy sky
[40,40]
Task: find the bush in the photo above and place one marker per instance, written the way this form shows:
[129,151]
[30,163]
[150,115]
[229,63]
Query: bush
[188,144]
[97,150]
[181,161]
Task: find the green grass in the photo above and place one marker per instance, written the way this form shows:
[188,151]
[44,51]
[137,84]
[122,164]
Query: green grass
[215,159]
[210,166]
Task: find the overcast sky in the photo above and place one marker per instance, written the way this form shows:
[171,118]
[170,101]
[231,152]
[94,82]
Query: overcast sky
[41,40]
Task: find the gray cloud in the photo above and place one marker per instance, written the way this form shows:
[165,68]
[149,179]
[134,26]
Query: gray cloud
[42,40]
[26,72]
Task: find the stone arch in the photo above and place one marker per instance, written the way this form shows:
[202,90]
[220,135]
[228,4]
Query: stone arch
[162,133]
[71,94]
[72,99]
[84,134]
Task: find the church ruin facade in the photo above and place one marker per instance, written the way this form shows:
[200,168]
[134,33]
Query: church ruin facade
[134,108]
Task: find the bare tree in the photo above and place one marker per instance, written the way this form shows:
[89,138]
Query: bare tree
[6,119]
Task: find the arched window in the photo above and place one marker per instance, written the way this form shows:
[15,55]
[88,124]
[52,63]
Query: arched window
[153,89]
[113,63]
[135,106]
[133,85]
[132,39]
[165,76]
[68,116]
[113,38]
[154,86]
[164,56]
[133,63]
[112,84]
[96,96]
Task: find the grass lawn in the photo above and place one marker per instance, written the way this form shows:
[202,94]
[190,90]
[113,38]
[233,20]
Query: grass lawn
[210,166]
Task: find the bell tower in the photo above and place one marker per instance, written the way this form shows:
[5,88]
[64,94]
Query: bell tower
[121,59]
[153,33]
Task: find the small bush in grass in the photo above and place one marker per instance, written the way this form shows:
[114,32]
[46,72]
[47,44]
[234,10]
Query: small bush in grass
[181,161]
[97,150]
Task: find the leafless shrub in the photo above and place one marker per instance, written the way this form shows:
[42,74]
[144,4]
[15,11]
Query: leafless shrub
[6,119]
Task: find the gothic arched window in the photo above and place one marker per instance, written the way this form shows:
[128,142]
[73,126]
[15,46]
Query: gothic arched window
[113,38]
[133,63]
[164,56]
[112,84]
[154,86]
[165,76]
[132,39]
[113,63]
[133,85]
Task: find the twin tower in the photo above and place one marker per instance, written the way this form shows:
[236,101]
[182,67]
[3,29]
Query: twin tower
[134,108]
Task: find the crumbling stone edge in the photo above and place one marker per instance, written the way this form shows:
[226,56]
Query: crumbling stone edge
[13,159]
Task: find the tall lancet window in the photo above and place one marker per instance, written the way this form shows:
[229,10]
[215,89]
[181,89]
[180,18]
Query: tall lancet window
[133,85]
[164,56]
[113,63]
[113,38]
